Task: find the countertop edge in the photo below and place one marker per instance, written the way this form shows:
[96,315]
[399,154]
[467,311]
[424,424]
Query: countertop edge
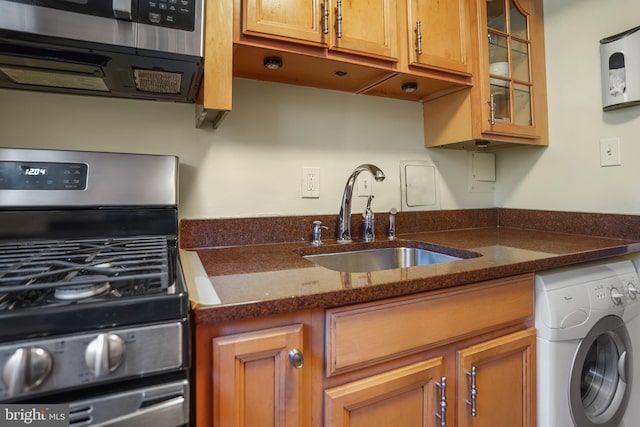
[208,314]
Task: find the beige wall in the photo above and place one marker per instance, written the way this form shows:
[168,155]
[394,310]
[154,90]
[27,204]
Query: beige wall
[567,175]
[251,165]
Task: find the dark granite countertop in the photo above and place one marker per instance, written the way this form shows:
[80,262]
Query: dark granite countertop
[253,280]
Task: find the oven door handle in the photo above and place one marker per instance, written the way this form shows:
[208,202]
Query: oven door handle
[170,413]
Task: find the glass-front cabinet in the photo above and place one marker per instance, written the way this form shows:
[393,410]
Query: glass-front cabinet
[511,68]
[507,103]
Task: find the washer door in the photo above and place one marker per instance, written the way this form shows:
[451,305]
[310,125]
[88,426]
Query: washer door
[601,375]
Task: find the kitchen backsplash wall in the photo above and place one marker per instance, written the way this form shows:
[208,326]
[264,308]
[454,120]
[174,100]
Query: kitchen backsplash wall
[251,165]
[567,175]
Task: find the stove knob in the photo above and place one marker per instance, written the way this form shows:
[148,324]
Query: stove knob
[632,290]
[616,296]
[26,369]
[104,354]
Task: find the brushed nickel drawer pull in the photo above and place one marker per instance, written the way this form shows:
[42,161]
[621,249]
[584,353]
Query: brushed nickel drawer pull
[339,19]
[442,385]
[473,391]
[419,38]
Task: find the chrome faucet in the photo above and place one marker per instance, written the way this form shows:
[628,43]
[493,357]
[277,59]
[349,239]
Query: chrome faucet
[344,217]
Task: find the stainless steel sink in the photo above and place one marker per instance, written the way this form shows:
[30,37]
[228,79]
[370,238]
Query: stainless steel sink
[378,259]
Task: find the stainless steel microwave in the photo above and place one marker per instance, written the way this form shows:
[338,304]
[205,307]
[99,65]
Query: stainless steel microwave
[145,49]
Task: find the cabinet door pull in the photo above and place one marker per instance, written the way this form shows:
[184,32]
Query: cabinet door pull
[296,358]
[339,19]
[442,385]
[473,391]
[419,38]
[492,109]
[325,17]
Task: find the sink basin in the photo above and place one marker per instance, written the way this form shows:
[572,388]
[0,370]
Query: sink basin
[378,259]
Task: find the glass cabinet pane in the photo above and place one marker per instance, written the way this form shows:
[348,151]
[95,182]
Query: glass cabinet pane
[501,102]
[509,63]
[498,51]
[522,105]
[496,16]
[520,61]
[518,22]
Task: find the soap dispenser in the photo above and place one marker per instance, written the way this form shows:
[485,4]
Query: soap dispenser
[368,223]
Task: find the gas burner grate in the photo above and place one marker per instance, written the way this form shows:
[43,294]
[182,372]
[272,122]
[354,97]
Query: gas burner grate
[37,273]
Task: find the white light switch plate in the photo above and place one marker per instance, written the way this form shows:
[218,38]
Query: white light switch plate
[610,152]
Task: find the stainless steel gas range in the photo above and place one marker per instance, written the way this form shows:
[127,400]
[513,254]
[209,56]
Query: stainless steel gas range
[94,312]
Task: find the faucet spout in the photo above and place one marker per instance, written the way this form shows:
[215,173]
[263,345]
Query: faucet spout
[344,217]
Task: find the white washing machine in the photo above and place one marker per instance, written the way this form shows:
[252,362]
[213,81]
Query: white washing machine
[584,346]
[631,317]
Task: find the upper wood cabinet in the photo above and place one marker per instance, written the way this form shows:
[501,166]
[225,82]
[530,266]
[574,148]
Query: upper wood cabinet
[215,96]
[438,34]
[368,28]
[508,102]
[361,28]
[296,20]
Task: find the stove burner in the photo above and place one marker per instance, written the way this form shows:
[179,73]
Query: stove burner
[83,290]
[45,273]
[74,293]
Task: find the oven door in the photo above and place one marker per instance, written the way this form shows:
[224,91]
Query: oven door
[159,401]
[160,405]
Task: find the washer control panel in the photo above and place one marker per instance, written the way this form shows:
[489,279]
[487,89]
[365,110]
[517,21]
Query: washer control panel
[575,297]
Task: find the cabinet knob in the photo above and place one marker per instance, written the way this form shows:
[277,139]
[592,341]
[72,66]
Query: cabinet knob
[296,358]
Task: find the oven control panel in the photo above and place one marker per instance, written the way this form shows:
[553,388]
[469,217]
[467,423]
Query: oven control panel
[42,176]
[60,363]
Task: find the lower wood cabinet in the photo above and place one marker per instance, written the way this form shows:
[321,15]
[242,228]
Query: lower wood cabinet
[405,397]
[258,378]
[463,357]
[497,382]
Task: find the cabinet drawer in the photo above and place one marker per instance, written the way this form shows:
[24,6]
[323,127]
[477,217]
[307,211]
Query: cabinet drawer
[365,334]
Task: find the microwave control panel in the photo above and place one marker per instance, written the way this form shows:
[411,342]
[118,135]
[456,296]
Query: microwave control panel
[178,14]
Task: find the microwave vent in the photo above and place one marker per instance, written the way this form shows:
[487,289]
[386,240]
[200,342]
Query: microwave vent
[157,81]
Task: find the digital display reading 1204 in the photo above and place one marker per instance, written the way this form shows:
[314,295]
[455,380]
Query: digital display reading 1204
[31,171]
[42,176]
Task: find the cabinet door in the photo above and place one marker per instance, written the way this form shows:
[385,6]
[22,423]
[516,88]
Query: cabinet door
[496,387]
[438,34]
[298,20]
[410,396]
[512,67]
[368,28]
[255,382]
